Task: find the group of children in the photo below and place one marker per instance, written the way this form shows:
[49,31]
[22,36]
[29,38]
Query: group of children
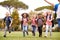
[36,22]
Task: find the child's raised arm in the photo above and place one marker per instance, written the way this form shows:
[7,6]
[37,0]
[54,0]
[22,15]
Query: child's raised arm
[49,2]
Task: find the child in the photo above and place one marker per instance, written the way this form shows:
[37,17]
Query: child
[25,23]
[8,22]
[57,10]
[40,24]
[48,23]
[33,24]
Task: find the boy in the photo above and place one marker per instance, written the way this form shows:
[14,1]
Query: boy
[8,23]
[57,10]
[40,24]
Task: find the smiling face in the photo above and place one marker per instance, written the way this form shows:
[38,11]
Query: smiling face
[7,14]
[34,16]
[39,16]
[24,15]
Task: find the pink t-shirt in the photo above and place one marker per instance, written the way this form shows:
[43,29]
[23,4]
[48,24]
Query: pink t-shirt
[48,21]
[25,21]
[33,21]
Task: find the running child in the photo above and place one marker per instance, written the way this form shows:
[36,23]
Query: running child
[33,24]
[25,23]
[8,22]
[40,24]
[49,19]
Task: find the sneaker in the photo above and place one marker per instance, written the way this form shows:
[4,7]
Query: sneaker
[40,35]
[9,31]
[4,35]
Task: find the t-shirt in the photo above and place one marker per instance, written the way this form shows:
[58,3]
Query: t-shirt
[7,20]
[48,22]
[25,21]
[58,11]
[33,22]
[40,22]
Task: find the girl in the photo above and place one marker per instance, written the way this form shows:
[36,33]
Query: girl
[33,24]
[48,23]
[25,23]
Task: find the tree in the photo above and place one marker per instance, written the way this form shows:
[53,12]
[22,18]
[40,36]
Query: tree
[16,4]
[44,7]
[16,21]
[11,0]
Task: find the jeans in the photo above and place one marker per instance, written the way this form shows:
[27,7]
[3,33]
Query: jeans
[25,29]
[47,28]
[7,28]
[33,29]
[40,30]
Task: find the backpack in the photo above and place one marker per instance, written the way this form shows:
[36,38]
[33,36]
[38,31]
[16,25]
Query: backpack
[55,9]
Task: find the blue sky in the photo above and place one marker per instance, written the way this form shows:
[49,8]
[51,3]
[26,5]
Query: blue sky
[31,3]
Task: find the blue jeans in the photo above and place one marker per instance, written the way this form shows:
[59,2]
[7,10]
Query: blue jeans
[7,28]
[33,29]
[58,20]
[25,29]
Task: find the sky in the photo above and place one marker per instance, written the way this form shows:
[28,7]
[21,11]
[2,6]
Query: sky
[33,4]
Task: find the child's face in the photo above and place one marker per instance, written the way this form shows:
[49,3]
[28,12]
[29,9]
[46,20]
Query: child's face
[48,13]
[39,16]
[34,16]
[7,14]
[24,15]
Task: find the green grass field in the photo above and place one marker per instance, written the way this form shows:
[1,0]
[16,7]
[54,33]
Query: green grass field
[19,36]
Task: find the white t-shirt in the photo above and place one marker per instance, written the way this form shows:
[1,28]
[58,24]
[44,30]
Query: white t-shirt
[58,12]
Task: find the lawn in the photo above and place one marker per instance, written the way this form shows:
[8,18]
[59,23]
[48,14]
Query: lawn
[19,36]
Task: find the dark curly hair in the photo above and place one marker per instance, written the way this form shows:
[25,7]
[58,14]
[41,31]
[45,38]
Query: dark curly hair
[26,15]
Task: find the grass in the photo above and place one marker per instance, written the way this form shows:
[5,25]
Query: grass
[19,36]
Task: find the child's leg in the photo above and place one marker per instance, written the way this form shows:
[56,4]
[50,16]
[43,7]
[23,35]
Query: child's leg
[5,31]
[50,30]
[33,30]
[9,29]
[24,31]
[40,31]
[47,26]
